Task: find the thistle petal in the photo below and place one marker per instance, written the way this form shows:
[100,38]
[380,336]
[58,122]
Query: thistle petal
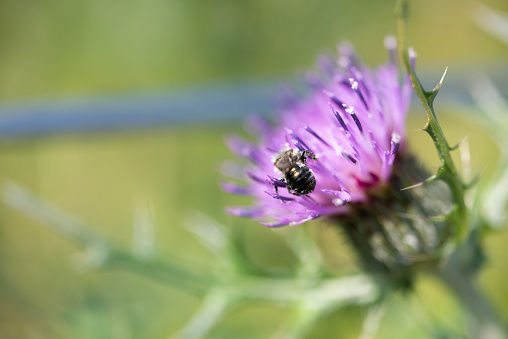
[358,119]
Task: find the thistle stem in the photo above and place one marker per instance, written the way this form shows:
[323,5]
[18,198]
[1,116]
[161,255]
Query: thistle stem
[447,171]
[454,274]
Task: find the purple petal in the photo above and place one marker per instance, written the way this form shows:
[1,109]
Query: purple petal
[279,197]
[354,86]
[343,196]
[275,182]
[297,138]
[255,177]
[235,189]
[289,222]
[339,119]
[308,129]
[246,212]
[359,147]
[244,149]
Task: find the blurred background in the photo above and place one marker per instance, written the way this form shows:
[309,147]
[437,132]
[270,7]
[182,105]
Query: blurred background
[110,108]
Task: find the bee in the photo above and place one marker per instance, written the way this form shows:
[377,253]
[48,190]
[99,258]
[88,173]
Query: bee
[298,177]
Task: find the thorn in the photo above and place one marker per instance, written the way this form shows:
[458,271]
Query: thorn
[421,183]
[440,83]
[413,186]
[460,143]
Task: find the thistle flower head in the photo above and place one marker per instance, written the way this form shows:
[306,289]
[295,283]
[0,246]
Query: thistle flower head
[345,134]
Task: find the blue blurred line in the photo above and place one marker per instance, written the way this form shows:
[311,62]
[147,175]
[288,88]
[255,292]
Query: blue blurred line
[202,105]
[214,103]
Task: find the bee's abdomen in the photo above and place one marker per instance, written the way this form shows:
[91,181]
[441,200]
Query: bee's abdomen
[301,179]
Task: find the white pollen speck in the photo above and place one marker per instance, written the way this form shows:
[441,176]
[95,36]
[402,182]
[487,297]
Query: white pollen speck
[350,110]
[354,85]
[338,202]
[339,149]
[395,137]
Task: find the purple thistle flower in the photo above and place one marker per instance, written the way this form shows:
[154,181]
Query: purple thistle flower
[352,120]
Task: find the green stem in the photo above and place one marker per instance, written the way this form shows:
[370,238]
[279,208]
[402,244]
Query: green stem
[106,254]
[161,271]
[447,171]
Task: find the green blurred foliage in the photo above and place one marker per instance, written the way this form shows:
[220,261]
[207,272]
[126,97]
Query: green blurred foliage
[56,47]
[101,178]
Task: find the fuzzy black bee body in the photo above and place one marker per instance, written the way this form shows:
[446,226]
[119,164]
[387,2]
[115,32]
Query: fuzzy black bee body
[298,177]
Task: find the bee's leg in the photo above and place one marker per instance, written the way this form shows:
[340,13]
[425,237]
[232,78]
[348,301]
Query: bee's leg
[306,153]
[293,192]
[289,190]
[277,188]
